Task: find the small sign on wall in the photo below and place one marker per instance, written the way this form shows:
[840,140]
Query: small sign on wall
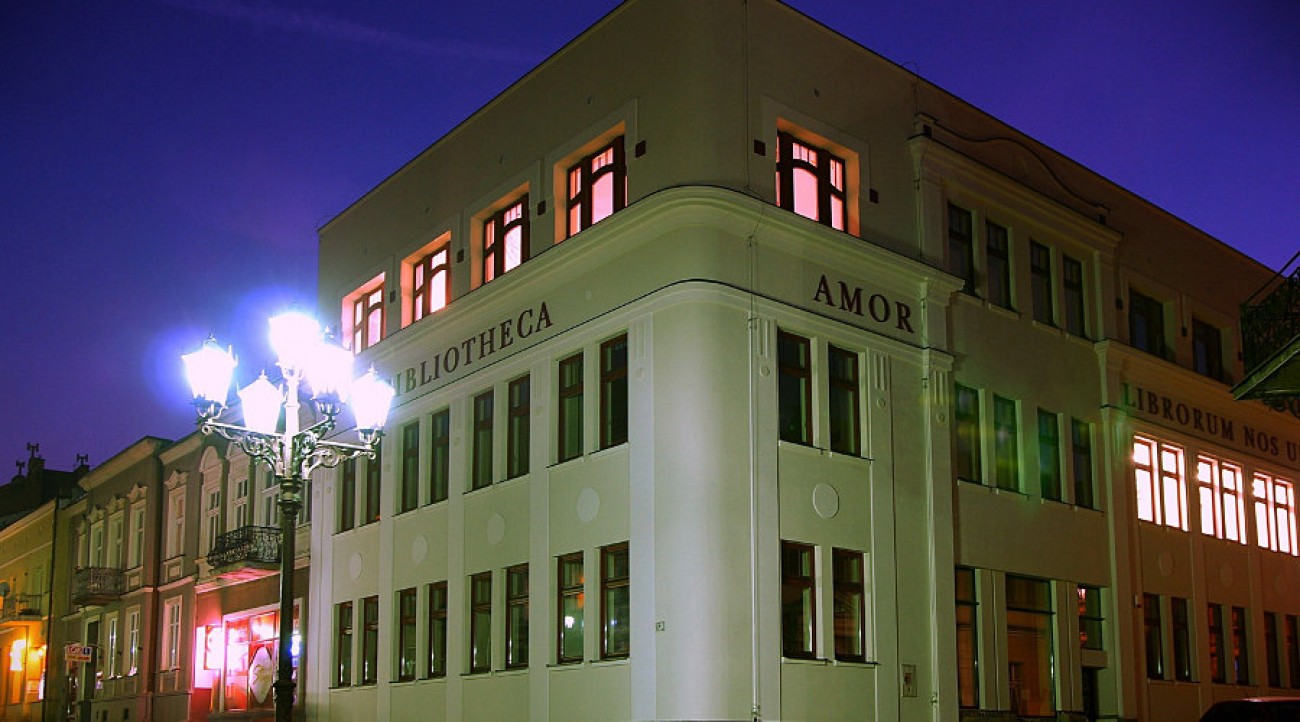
[909,680]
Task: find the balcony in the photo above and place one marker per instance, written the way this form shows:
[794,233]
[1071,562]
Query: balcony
[97,585]
[1270,340]
[21,608]
[250,552]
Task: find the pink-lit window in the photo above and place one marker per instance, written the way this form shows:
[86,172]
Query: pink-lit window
[597,187]
[363,315]
[505,239]
[810,181]
[1159,482]
[430,282]
[251,647]
[1274,513]
[1223,516]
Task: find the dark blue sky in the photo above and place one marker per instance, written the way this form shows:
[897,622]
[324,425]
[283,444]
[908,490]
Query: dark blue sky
[164,165]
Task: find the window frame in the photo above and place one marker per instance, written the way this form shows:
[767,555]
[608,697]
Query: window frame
[569,442]
[611,584]
[1161,483]
[440,456]
[359,308]
[794,410]
[409,498]
[347,504]
[425,267]
[1050,477]
[1006,444]
[516,583]
[405,631]
[1146,324]
[824,167]
[966,596]
[374,487]
[1021,609]
[344,651]
[518,426]
[1217,642]
[800,643]
[511,215]
[967,434]
[997,272]
[1040,283]
[369,641]
[1207,350]
[569,589]
[1074,296]
[580,178]
[480,622]
[1153,637]
[844,400]
[436,633]
[1275,517]
[483,407]
[1181,632]
[1092,618]
[614,412]
[843,588]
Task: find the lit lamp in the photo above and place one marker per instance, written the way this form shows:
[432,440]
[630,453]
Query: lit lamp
[291,453]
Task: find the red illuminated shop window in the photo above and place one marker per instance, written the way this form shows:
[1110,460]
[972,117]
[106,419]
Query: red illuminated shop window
[251,648]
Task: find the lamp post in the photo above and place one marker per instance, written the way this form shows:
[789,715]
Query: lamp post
[291,453]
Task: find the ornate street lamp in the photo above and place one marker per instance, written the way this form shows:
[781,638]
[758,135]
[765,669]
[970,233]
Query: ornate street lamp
[292,452]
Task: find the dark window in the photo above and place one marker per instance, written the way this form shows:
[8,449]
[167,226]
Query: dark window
[1182,631]
[431,282]
[850,606]
[798,601]
[1029,660]
[1293,649]
[1207,350]
[410,497]
[370,640]
[1081,462]
[570,408]
[961,246]
[999,264]
[1272,650]
[343,644]
[1006,444]
[615,602]
[406,611]
[1218,646]
[810,181]
[481,473]
[373,468]
[1049,454]
[968,695]
[1240,649]
[1146,323]
[517,616]
[1072,283]
[1040,279]
[966,427]
[572,595]
[613,392]
[480,622]
[437,666]
[1154,642]
[517,429]
[347,495]
[597,186]
[439,456]
[1090,617]
[844,415]
[794,385]
[505,239]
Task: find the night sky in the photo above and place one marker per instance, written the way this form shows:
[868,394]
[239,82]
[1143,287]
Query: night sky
[164,165]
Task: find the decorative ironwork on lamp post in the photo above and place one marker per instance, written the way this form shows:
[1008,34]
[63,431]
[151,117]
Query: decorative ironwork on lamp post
[292,452]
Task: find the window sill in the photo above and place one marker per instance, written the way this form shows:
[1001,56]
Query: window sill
[590,663]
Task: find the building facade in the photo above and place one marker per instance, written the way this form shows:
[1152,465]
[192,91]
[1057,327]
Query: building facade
[26,564]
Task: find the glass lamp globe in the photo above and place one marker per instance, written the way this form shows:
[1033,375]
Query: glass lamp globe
[209,370]
[261,401]
[371,399]
[295,338]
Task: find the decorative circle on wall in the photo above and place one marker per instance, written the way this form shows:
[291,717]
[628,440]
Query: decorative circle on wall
[1166,563]
[588,505]
[1225,575]
[825,500]
[764,371]
[354,565]
[419,548]
[496,529]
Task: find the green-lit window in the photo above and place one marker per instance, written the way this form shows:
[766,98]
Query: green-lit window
[794,386]
[570,408]
[613,392]
[846,434]
[517,428]
[481,471]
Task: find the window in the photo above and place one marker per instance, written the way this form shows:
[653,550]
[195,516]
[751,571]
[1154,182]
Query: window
[347,495]
[967,640]
[175,523]
[343,644]
[597,186]
[405,633]
[1049,454]
[171,642]
[1218,648]
[1158,475]
[850,606]
[1006,445]
[1040,279]
[517,429]
[1154,645]
[1207,350]
[966,427]
[251,642]
[846,437]
[1274,513]
[1146,323]
[1029,646]
[1293,649]
[999,264]
[132,662]
[373,467]
[211,519]
[570,408]
[615,602]
[1272,651]
[370,640]
[1081,463]
[1182,631]
[1240,650]
[613,392]
[431,279]
[135,554]
[570,580]
[481,473]
[505,238]
[810,181]
[437,630]
[115,540]
[1090,617]
[794,387]
[440,453]
[110,621]
[961,247]
[798,601]
[410,497]
[480,622]
[1223,516]
[363,315]
[1072,283]
[517,616]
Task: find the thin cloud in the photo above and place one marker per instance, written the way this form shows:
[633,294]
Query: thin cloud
[336,28]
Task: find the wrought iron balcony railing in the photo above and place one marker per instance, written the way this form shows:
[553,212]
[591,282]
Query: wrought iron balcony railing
[1270,334]
[22,606]
[246,545]
[97,585]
